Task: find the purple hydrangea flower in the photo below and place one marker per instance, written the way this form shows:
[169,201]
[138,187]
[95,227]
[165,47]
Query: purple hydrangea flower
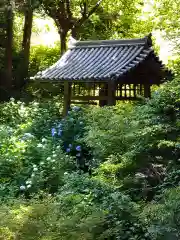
[68,150]
[53,132]
[78,148]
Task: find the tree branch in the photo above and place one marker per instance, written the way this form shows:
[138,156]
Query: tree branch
[68,10]
[86,15]
[94,8]
[83,7]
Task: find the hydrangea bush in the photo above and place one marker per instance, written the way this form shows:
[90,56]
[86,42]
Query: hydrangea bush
[31,157]
[70,132]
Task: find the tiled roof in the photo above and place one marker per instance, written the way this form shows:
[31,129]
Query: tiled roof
[98,60]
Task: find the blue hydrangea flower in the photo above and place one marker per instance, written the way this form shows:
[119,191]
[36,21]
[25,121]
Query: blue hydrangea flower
[53,132]
[78,148]
[68,150]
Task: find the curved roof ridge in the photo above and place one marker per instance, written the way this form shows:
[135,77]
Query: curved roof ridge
[110,43]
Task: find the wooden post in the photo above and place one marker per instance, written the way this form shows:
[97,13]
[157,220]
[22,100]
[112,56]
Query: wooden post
[67,97]
[147,91]
[103,92]
[111,92]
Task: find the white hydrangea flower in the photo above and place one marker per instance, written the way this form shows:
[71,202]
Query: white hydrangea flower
[40,145]
[22,187]
[43,140]
[29,182]
[29,185]
[140,175]
[35,103]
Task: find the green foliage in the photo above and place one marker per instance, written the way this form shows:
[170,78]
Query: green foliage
[106,127]
[118,20]
[42,57]
[84,209]
[135,147]
[132,151]
[28,154]
[18,30]
[166,19]
[162,219]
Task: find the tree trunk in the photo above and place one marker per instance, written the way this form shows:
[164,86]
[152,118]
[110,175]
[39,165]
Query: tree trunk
[9,47]
[63,38]
[24,62]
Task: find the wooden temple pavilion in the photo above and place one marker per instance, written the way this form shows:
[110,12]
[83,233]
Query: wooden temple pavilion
[107,71]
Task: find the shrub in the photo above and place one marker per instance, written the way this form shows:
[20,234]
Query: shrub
[162,219]
[29,158]
[84,209]
[135,145]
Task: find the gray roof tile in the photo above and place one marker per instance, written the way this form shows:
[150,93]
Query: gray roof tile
[98,60]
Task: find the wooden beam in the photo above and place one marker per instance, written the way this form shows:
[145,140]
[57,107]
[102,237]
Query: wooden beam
[127,98]
[87,98]
[87,102]
[67,97]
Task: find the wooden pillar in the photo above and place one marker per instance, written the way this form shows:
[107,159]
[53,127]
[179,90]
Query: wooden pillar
[67,97]
[111,93]
[103,92]
[147,91]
